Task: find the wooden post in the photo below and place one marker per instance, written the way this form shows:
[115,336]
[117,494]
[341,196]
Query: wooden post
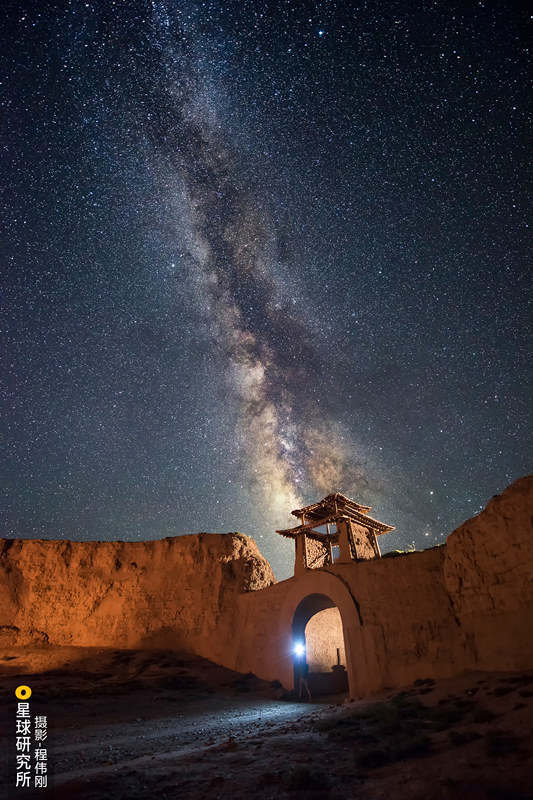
[345,553]
[351,539]
[330,551]
[300,560]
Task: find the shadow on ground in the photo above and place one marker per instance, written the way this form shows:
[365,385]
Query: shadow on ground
[139,724]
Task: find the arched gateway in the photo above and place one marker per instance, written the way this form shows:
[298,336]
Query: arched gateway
[312,592]
[334,531]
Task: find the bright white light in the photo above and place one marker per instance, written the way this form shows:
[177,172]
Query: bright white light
[299,649]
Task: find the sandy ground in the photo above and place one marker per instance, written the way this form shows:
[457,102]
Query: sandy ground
[136,724]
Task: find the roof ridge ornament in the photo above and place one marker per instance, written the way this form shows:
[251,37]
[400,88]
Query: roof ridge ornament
[350,533]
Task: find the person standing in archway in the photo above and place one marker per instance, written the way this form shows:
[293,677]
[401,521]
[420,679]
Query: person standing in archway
[303,681]
[302,670]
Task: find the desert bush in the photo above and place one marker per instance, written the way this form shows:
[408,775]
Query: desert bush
[304,777]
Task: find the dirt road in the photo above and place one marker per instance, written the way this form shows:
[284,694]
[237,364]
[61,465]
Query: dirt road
[131,725]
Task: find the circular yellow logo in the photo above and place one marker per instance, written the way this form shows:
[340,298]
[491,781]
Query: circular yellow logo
[23,692]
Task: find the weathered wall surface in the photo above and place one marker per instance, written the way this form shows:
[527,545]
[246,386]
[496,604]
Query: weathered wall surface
[324,635]
[466,605]
[407,626]
[398,621]
[488,571]
[175,592]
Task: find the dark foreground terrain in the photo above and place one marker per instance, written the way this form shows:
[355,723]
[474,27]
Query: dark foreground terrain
[139,724]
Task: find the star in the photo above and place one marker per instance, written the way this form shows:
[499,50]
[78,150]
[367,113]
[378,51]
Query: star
[275,181]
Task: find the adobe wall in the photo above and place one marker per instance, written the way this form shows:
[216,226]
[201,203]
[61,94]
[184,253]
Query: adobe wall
[177,592]
[408,631]
[398,621]
[466,605]
[488,572]
[325,636]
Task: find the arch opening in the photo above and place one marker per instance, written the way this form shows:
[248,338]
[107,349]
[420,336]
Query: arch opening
[319,646]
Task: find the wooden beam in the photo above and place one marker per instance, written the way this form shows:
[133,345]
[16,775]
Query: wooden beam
[309,525]
[321,557]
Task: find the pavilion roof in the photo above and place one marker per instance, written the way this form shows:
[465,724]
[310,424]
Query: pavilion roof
[332,504]
[329,510]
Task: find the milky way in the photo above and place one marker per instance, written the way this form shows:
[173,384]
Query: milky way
[288,439]
[257,253]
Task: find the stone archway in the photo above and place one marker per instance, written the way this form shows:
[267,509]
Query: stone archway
[309,594]
[317,628]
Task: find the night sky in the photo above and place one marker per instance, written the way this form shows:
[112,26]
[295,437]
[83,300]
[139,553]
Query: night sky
[257,252]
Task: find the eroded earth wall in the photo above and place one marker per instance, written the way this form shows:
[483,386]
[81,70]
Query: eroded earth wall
[488,573]
[174,592]
[465,605]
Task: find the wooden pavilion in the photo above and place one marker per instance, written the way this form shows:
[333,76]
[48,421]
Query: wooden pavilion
[334,522]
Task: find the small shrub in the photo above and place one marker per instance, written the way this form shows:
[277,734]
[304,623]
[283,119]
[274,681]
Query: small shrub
[500,691]
[268,778]
[443,718]
[415,748]
[401,715]
[464,705]
[303,777]
[520,680]
[373,759]
[483,715]
[502,743]
[458,738]
[394,554]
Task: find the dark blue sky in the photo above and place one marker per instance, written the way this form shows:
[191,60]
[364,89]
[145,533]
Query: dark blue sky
[260,252]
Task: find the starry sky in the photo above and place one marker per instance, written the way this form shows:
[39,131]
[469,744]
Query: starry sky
[257,252]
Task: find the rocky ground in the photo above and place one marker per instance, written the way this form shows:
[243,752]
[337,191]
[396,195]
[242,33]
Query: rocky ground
[133,724]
